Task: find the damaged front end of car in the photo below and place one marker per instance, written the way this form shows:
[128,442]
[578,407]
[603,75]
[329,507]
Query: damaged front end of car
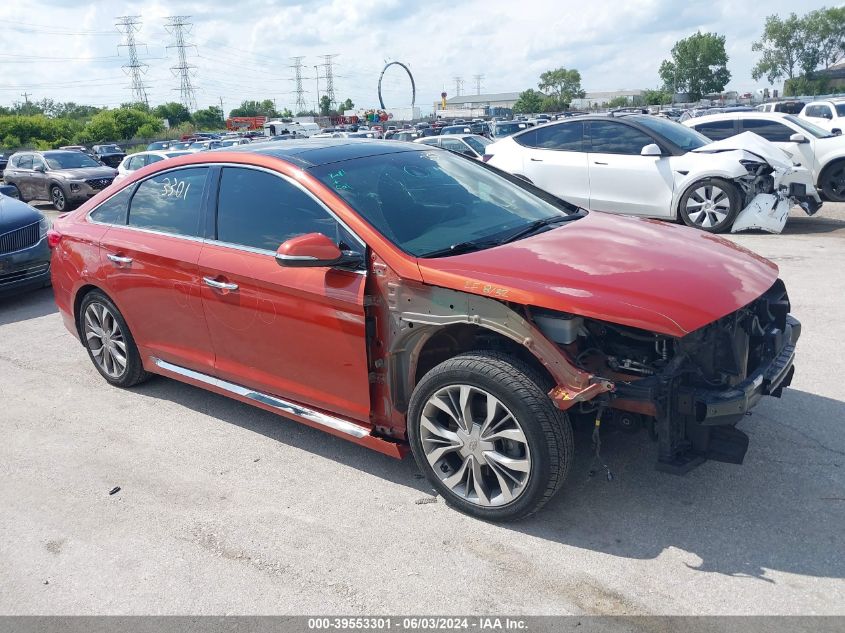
[689,392]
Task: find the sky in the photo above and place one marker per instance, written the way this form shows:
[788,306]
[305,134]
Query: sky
[69,51]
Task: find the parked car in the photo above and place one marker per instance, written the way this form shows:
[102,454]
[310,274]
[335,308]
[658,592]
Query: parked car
[61,176]
[178,146]
[159,145]
[134,162]
[110,155]
[83,149]
[203,146]
[406,136]
[24,253]
[813,147]
[232,142]
[406,298]
[456,129]
[787,107]
[9,190]
[828,114]
[4,160]
[653,167]
[470,145]
[430,131]
[501,129]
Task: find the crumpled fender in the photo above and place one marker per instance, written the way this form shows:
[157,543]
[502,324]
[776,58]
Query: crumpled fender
[767,212]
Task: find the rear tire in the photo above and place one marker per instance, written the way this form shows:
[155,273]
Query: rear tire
[109,342]
[513,453]
[710,204]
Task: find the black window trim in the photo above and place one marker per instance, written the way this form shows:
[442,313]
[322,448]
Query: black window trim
[736,121]
[211,227]
[666,146]
[744,120]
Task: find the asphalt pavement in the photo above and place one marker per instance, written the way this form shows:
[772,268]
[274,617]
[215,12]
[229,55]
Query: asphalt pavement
[226,509]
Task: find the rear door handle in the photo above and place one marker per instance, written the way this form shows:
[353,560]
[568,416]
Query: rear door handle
[598,162]
[537,160]
[220,285]
[117,259]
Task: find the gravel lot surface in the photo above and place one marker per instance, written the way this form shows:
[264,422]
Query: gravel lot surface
[225,508]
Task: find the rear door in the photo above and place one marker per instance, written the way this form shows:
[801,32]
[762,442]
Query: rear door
[555,159]
[298,333]
[621,179]
[152,262]
[20,174]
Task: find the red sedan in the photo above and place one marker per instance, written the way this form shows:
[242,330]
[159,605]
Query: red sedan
[403,296]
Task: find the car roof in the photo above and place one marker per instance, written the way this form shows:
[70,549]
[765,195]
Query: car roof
[314,152]
[757,114]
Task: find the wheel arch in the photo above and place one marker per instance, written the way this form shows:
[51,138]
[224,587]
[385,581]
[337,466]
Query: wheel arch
[688,181]
[79,297]
[836,160]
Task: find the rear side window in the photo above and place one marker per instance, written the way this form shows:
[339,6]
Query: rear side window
[115,209]
[717,130]
[261,210]
[617,138]
[170,202]
[565,137]
[769,130]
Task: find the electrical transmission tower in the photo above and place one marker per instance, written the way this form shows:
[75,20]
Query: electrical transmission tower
[129,25]
[300,91]
[177,26]
[327,64]
[477,79]
[459,85]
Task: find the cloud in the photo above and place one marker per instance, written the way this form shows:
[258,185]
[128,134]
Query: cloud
[67,51]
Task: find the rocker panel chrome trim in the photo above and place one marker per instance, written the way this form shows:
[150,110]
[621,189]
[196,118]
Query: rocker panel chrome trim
[328,421]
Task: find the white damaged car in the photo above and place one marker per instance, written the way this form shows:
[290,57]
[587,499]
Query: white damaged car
[653,167]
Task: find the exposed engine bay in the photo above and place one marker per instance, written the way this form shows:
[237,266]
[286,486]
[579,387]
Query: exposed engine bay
[689,392]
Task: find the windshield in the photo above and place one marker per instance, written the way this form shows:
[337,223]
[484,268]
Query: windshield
[812,128]
[478,143]
[503,129]
[428,201]
[69,160]
[682,136]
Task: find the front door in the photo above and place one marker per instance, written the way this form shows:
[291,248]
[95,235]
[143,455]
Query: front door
[152,268]
[621,179]
[298,333]
[39,181]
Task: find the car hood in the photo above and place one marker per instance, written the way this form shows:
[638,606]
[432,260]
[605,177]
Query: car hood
[750,142]
[14,214]
[84,173]
[643,273]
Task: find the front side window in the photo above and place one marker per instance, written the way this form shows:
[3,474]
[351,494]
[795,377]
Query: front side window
[262,210]
[617,138]
[453,145]
[769,130]
[136,162]
[428,201]
[115,209]
[684,137]
[717,130]
[170,202]
[478,143]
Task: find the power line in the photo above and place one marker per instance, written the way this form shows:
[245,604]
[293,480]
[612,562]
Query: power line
[177,25]
[129,25]
[300,92]
[477,79]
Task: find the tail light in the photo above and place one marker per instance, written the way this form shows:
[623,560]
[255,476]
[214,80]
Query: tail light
[53,238]
[486,157]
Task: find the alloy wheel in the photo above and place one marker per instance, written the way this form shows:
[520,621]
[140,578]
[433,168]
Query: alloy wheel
[708,206]
[58,198]
[475,445]
[106,340]
[836,182]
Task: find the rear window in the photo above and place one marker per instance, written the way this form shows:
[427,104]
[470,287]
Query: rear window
[170,202]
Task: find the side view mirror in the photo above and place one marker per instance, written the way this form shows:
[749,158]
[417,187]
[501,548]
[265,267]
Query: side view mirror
[836,131]
[652,149]
[798,138]
[39,168]
[314,250]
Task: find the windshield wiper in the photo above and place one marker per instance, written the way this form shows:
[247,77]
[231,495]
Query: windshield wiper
[536,225]
[462,247]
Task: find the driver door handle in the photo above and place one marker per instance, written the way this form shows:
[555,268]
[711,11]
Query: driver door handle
[117,259]
[598,162]
[220,285]
[537,160]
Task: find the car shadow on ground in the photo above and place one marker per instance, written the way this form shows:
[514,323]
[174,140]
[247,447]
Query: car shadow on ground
[28,304]
[782,510]
[806,225]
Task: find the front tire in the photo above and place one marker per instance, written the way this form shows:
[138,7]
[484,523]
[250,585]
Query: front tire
[58,198]
[109,342]
[832,182]
[488,437]
[711,204]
